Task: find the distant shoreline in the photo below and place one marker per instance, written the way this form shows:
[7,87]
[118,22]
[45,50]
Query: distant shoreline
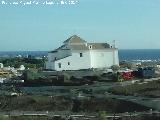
[124,54]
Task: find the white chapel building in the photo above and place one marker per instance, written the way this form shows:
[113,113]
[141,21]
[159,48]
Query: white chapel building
[76,54]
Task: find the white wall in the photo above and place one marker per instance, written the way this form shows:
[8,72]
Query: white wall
[90,59]
[116,57]
[58,55]
[50,65]
[104,58]
[51,56]
[63,53]
[76,62]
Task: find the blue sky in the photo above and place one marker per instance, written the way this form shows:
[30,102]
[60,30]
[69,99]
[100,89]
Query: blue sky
[134,24]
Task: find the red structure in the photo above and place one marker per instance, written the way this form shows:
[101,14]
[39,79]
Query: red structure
[127,75]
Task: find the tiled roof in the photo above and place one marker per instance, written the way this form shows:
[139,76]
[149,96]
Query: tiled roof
[74,39]
[76,43]
[99,45]
[79,47]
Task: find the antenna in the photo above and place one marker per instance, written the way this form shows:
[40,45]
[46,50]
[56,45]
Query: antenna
[114,44]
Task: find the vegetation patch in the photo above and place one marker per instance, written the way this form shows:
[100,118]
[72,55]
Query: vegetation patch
[150,89]
[61,103]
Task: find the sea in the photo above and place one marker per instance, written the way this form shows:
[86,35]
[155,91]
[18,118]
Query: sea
[139,54]
[124,54]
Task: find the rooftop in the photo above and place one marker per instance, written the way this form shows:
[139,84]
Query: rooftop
[77,43]
[74,39]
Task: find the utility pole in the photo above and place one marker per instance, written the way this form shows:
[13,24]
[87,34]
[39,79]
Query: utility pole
[114,46]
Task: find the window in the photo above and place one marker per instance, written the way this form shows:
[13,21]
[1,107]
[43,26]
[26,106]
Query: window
[68,63]
[90,47]
[81,55]
[59,65]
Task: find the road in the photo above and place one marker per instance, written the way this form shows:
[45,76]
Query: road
[70,114]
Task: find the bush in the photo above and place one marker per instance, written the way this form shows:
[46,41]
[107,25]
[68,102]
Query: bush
[101,115]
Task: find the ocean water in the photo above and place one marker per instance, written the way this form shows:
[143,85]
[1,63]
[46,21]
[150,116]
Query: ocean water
[23,53]
[125,54]
[139,54]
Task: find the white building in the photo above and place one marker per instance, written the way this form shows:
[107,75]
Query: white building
[1,65]
[76,54]
[21,67]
